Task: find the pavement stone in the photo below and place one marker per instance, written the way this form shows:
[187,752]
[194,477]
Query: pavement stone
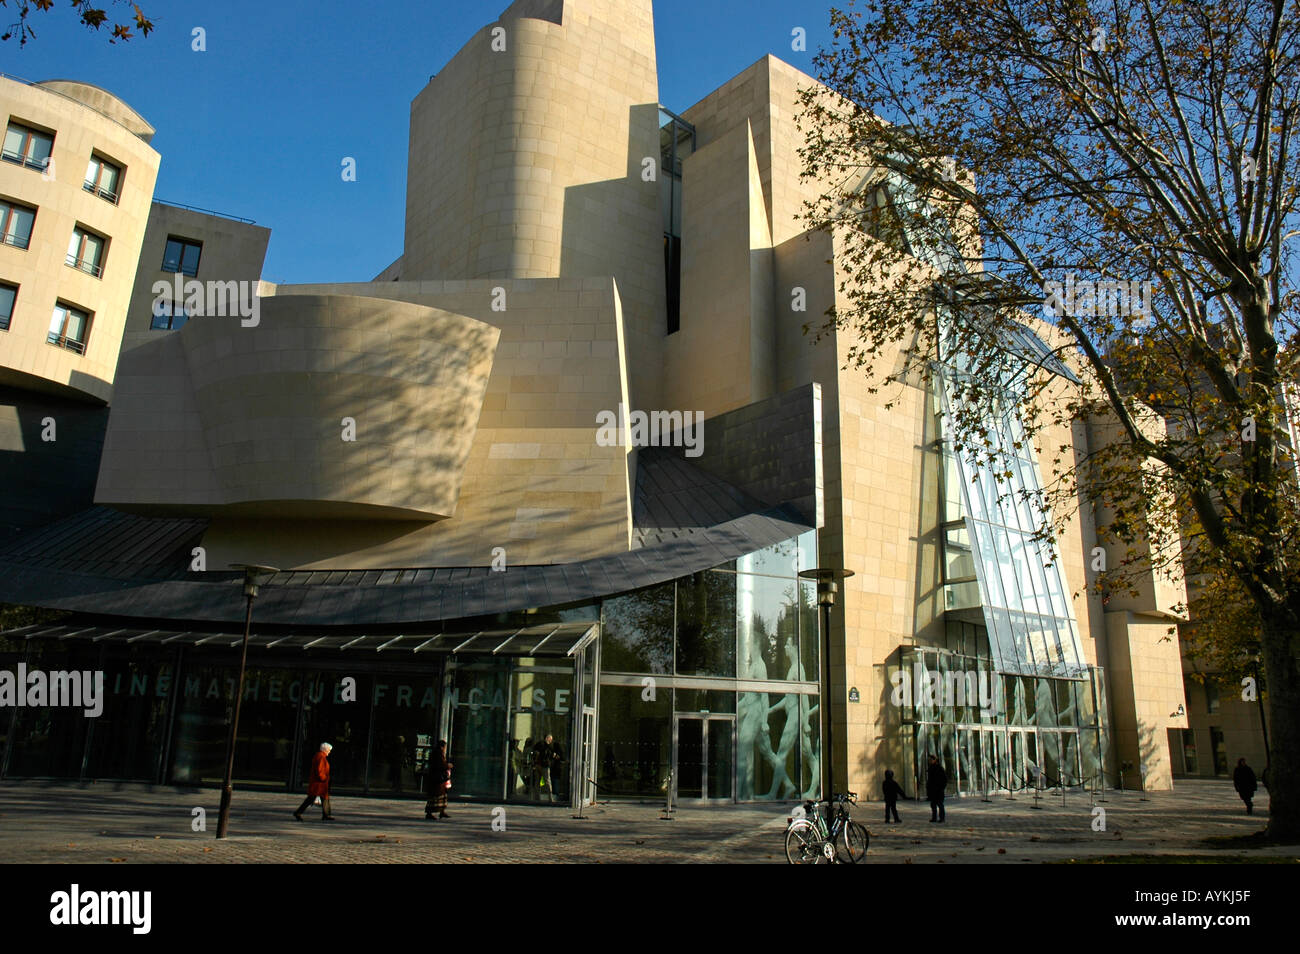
[45,822]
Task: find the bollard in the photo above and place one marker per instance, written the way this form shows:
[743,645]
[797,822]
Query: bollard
[668,798]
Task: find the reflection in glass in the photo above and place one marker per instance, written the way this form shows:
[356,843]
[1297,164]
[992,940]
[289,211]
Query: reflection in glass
[345,725]
[477,748]
[635,745]
[706,624]
[690,758]
[638,632]
[720,784]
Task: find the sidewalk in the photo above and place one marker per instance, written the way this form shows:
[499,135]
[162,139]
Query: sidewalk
[108,822]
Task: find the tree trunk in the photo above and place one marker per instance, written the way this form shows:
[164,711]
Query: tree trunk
[1282,674]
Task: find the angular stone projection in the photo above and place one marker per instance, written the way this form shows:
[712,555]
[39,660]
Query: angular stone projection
[333,405]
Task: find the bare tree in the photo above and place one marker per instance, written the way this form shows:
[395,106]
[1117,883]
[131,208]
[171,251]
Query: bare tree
[1128,173]
[91,16]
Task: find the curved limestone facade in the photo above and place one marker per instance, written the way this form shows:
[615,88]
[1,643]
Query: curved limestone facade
[331,406]
[83,122]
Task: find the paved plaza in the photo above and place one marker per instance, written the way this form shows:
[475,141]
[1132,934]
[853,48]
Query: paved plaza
[106,822]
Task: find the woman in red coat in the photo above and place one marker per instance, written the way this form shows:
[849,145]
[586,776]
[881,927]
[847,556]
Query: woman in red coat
[318,783]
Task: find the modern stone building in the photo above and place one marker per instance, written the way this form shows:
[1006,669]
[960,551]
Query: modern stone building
[554,471]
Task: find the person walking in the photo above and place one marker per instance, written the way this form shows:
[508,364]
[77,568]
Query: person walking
[545,757]
[936,780]
[892,791]
[318,784]
[439,780]
[1243,780]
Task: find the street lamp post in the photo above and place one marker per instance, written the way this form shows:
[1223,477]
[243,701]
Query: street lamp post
[827,585]
[254,576]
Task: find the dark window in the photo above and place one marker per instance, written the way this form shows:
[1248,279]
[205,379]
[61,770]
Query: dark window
[638,632]
[16,224]
[168,317]
[27,147]
[1211,697]
[673,273]
[1220,751]
[182,255]
[69,328]
[104,179]
[8,293]
[676,142]
[706,624]
[1189,751]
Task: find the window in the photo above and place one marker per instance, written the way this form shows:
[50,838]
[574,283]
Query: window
[182,255]
[27,147]
[1211,696]
[1189,751]
[104,179]
[168,317]
[69,328]
[86,252]
[16,224]
[1219,750]
[7,295]
[676,142]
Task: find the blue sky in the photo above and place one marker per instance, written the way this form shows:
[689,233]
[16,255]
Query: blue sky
[258,125]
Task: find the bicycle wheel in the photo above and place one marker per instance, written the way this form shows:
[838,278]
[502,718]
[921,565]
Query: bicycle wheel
[804,845]
[854,839]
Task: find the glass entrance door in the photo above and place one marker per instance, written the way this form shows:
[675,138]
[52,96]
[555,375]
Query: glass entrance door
[704,758]
[588,754]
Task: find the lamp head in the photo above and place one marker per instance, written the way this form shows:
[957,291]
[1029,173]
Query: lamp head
[255,574]
[827,582]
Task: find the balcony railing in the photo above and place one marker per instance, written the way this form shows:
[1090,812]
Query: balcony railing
[84,265]
[16,241]
[62,341]
[10,156]
[108,195]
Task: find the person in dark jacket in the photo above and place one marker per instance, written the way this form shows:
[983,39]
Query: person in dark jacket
[318,783]
[936,780]
[892,792]
[438,775]
[1243,780]
[546,756]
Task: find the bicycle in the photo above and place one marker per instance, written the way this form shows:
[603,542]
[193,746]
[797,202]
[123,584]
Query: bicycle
[809,841]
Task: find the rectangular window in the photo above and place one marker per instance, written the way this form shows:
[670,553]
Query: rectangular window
[1211,696]
[1189,752]
[16,224]
[168,317]
[69,328]
[8,294]
[27,147]
[86,252]
[182,255]
[103,178]
[1219,750]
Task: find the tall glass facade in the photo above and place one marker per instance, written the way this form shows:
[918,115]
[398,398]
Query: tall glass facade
[997,552]
[709,683]
[995,731]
